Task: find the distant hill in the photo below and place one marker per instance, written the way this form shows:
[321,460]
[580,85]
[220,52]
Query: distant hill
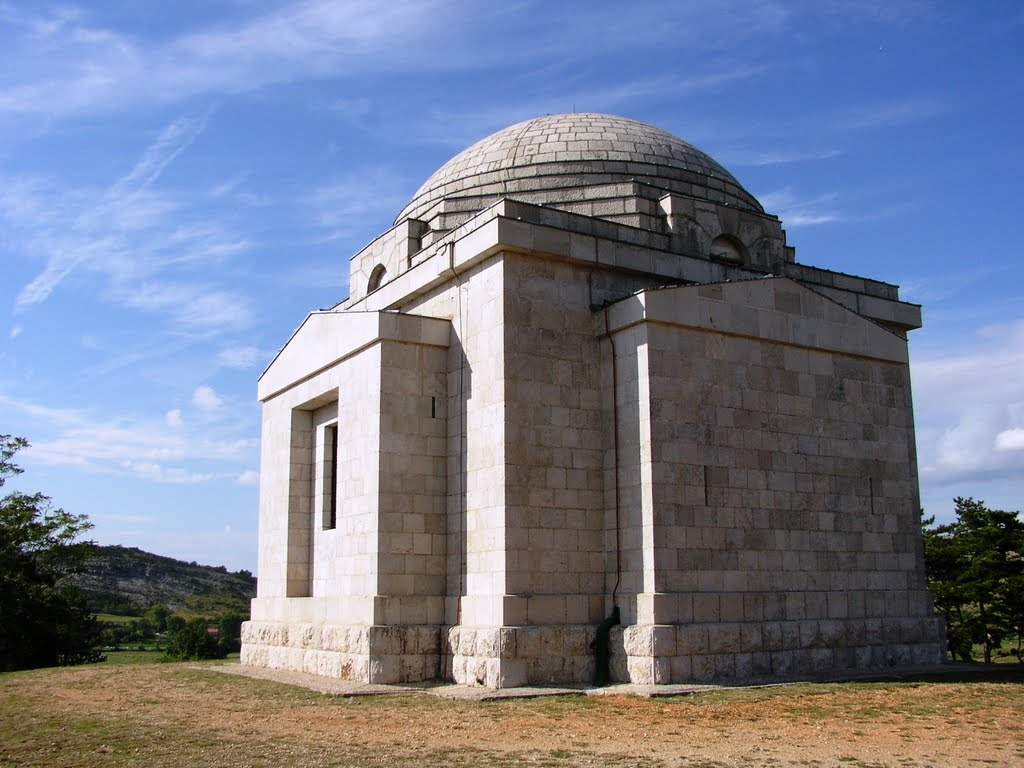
[126,580]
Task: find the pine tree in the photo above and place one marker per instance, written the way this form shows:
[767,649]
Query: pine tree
[976,572]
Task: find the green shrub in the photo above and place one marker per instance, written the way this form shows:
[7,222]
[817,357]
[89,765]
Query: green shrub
[194,641]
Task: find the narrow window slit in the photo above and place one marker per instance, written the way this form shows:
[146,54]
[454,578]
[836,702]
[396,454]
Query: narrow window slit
[331,476]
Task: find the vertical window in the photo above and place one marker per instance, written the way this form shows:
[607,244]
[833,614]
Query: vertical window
[330,477]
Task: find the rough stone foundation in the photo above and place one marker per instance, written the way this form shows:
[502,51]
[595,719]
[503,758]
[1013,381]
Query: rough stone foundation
[374,654]
[642,654]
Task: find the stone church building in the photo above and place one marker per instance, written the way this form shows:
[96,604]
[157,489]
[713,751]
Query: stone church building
[583,373]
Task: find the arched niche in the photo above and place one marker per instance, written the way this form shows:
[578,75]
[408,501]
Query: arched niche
[376,278]
[728,248]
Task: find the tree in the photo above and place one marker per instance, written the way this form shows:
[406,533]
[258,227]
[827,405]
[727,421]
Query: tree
[44,620]
[975,571]
[194,640]
[229,632]
[157,616]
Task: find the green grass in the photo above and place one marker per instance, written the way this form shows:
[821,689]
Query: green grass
[133,657]
[1001,655]
[152,656]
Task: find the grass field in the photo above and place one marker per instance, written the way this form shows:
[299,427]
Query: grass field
[143,657]
[133,657]
[169,715]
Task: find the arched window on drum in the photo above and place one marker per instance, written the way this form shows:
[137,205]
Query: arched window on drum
[376,278]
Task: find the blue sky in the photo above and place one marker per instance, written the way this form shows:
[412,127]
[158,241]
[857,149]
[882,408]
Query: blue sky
[180,183]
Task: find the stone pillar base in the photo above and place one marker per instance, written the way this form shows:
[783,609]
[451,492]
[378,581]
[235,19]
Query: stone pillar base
[365,654]
[655,654]
[508,657]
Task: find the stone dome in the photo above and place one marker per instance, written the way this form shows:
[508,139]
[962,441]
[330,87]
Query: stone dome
[558,158]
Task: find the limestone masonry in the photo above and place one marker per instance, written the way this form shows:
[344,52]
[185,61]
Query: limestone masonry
[583,371]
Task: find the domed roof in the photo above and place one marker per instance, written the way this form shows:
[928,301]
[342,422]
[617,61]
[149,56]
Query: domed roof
[540,159]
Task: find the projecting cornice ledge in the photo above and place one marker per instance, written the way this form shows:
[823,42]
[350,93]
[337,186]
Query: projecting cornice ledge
[774,309]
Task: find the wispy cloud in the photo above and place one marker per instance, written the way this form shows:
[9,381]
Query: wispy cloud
[86,67]
[97,234]
[933,289]
[195,306]
[888,114]
[102,516]
[159,473]
[799,212]
[461,127]
[249,477]
[242,357]
[764,157]
[341,205]
[140,239]
[161,450]
[820,133]
[171,142]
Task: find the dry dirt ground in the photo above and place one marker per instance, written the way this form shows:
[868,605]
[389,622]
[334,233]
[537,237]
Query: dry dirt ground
[158,715]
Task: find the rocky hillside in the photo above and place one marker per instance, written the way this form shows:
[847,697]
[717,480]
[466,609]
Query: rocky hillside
[125,581]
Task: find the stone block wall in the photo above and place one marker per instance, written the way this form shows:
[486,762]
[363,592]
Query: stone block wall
[554,446]
[410,508]
[769,488]
[475,447]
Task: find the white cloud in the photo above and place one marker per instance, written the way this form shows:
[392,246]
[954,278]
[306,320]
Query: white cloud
[1010,440]
[969,401]
[240,357]
[173,418]
[130,445]
[101,516]
[249,477]
[15,332]
[159,473]
[206,399]
[194,306]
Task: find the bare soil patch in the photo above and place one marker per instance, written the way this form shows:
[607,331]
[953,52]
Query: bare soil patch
[158,715]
